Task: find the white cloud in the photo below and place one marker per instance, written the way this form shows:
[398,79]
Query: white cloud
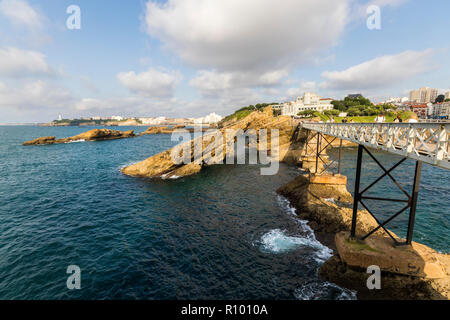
[213,83]
[253,34]
[34,95]
[152,83]
[380,72]
[21,13]
[305,86]
[15,62]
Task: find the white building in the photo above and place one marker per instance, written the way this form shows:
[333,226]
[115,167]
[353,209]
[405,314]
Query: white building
[396,101]
[309,101]
[117,118]
[423,95]
[441,110]
[209,119]
[153,121]
[447,95]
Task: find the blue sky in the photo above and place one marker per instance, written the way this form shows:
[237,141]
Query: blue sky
[184,58]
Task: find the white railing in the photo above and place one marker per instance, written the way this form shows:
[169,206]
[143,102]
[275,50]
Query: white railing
[427,142]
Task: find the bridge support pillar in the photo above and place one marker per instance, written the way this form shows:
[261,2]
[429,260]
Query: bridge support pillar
[410,202]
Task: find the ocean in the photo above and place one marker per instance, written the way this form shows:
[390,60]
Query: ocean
[221,234]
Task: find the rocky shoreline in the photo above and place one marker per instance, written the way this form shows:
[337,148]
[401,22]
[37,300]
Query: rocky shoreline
[92,135]
[416,272]
[412,272]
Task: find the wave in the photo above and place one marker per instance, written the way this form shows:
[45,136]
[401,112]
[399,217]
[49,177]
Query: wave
[323,291]
[315,289]
[75,141]
[307,238]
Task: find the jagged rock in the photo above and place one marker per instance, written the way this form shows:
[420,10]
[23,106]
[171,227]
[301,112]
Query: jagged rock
[393,286]
[416,260]
[290,147]
[157,130]
[91,135]
[41,140]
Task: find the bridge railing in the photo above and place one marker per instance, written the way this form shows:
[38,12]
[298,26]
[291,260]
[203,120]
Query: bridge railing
[427,142]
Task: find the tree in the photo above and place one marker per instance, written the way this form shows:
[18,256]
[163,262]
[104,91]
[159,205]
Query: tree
[440,98]
[306,113]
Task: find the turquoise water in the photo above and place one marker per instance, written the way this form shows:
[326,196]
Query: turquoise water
[221,234]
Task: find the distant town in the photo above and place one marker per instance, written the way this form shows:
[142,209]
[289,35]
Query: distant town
[425,102]
[210,119]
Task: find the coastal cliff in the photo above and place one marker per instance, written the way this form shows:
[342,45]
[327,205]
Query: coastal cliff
[163,166]
[91,135]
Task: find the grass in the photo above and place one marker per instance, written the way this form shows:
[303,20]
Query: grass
[405,115]
[360,246]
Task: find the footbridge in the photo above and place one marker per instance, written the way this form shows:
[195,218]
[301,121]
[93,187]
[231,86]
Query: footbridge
[422,142]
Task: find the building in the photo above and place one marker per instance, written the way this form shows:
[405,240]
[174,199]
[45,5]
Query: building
[447,95]
[441,110]
[421,110]
[395,101]
[117,118]
[153,121]
[309,101]
[211,118]
[423,95]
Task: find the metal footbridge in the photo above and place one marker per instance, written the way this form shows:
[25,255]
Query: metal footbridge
[426,142]
[423,142]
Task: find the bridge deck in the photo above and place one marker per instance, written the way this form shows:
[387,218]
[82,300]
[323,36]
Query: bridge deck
[427,142]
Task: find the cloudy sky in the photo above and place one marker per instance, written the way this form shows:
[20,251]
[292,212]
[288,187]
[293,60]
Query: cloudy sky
[192,57]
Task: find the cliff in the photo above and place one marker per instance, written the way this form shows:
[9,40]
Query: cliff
[162,165]
[91,135]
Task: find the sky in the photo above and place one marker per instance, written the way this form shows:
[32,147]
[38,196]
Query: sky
[188,58]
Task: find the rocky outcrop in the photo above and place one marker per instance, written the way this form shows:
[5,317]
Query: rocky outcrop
[91,135]
[162,165]
[408,272]
[326,203]
[393,286]
[157,130]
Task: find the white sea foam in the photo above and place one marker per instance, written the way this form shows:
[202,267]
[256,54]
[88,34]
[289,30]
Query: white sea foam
[323,291]
[74,141]
[307,238]
[278,241]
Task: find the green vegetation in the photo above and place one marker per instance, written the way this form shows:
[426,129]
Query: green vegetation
[360,246]
[360,106]
[245,111]
[79,122]
[390,116]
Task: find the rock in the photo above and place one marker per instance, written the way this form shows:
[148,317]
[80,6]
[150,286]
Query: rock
[38,141]
[91,135]
[393,286]
[416,260]
[318,202]
[157,130]
[290,147]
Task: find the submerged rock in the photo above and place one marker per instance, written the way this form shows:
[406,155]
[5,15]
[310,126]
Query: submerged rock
[91,135]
